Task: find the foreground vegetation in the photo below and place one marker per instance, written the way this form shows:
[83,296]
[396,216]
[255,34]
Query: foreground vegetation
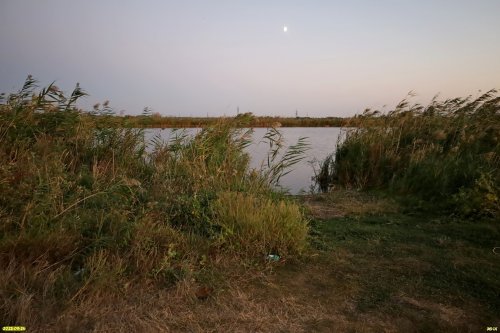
[102,231]
[84,210]
[446,155]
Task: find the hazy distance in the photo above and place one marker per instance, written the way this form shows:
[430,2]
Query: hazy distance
[193,58]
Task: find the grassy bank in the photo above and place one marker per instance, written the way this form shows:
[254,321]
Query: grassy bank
[446,154]
[86,214]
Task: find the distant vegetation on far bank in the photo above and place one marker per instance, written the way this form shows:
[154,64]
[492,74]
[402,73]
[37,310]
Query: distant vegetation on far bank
[158,121]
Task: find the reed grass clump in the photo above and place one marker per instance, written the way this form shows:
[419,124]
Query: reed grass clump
[260,225]
[447,154]
[87,207]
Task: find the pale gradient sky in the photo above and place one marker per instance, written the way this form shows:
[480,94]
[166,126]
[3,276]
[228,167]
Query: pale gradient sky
[194,58]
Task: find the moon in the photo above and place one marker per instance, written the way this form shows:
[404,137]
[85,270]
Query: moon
[285,28]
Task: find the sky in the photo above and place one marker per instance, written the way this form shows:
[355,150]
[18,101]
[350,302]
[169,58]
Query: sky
[199,58]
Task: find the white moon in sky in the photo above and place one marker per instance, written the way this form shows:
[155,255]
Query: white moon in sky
[285,28]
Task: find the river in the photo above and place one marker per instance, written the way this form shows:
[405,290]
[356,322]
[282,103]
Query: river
[322,141]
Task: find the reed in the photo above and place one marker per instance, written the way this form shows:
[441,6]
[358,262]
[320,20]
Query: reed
[446,153]
[83,203]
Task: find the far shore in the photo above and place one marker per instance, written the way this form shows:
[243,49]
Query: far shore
[249,120]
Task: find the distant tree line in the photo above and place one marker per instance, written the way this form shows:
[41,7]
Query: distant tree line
[155,120]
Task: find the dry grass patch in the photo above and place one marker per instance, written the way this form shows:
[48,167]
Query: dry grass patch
[340,203]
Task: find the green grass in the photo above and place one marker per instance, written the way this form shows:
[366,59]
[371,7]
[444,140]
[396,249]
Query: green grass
[436,258]
[375,265]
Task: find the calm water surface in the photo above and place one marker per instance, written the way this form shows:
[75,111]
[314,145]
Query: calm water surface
[322,141]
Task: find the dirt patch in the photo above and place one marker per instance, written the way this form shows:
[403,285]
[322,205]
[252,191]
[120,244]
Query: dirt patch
[340,203]
[451,315]
[323,211]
